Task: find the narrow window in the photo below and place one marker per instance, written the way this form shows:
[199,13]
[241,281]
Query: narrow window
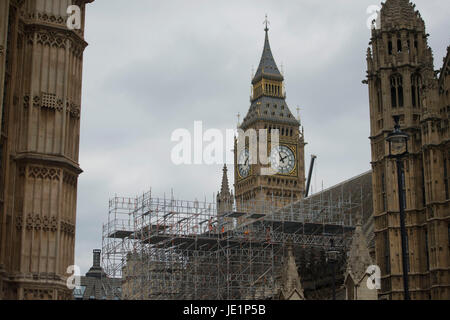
[416,83]
[383,192]
[408,264]
[423,188]
[397,91]
[379,97]
[448,233]
[387,262]
[399,45]
[400,91]
[446,178]
[426,250]
[393,93]
[390,47]
[403,192]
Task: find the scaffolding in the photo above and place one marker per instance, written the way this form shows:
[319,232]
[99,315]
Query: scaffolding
[117,233]
[173,249]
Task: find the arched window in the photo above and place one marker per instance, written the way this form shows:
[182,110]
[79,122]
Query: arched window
[397,91]
[390,47]
[416,84]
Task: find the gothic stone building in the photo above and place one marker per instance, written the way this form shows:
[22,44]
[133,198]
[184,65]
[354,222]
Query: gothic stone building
[402,82]
[40,97]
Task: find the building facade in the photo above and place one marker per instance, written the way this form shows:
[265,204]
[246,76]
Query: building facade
[402,82]
[269,111]
[41,63]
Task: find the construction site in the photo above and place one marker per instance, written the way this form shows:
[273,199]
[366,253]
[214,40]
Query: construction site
[164,248]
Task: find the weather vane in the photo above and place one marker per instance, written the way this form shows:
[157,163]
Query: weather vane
[267,23]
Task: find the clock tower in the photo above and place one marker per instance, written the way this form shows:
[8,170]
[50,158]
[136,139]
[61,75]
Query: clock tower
[269,111]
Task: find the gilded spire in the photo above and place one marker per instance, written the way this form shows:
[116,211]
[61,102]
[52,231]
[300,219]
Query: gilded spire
[267,66]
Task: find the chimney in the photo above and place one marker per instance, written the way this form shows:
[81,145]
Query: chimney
[96,270]
[96,258]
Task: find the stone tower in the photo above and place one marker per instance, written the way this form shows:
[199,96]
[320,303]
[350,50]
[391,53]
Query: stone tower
[269,111]
[400,68]
[41,63]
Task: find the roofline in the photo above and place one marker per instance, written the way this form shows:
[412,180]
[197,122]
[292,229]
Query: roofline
[341,183]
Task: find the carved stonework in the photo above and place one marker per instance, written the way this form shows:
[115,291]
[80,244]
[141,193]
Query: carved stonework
[51,101]
[37,294]
[19,222]
[68,228]
[26,101]
[38,222]
[70,179]
[36,101]
[73,109]
[44,173]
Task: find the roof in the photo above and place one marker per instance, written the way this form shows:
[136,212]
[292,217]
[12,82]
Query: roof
[358,188]
[359,257]
[396,13]
[269,109]
[267,66]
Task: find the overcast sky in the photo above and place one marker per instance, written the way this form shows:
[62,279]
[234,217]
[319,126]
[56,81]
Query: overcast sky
[154,66]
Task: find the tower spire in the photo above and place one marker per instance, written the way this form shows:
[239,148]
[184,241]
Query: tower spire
[267,66]
[225,189]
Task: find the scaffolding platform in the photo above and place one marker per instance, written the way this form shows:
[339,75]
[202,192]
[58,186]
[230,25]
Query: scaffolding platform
[174,249]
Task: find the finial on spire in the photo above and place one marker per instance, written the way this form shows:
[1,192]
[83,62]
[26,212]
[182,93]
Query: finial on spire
[266,23]
[239,118]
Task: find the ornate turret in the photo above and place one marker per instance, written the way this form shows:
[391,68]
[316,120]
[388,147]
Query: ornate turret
[224,197]
[291,286]
[356,275]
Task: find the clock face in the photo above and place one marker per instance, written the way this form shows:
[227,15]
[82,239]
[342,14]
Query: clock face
[244,164]
[282,159]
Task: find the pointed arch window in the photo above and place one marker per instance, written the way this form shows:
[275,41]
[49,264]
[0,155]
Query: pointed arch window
[416,84]
[399,45]
[396,91]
